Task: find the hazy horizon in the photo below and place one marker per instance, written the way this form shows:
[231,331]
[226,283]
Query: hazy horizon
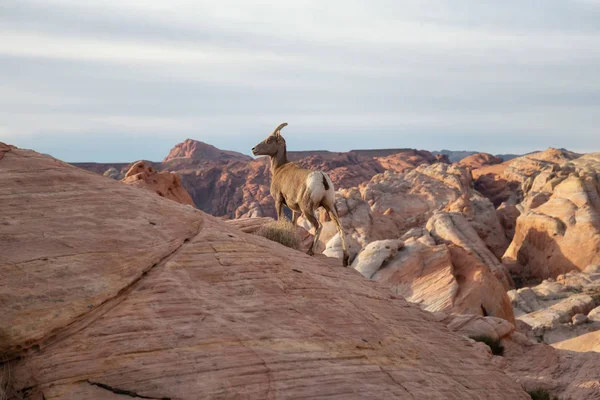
[116,82]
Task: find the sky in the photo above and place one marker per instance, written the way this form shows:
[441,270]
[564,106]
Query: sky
[117,81]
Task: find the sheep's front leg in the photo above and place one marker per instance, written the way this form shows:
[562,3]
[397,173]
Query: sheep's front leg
[279,209]
[295,215]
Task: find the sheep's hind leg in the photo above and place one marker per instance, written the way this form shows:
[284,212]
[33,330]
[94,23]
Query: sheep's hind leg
[334,216]
[310,216]
[295,215]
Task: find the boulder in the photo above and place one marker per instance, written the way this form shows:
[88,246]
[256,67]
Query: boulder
[165,184]
[373,257]
[476,325]
[438,277]
[454,228]
[594,315]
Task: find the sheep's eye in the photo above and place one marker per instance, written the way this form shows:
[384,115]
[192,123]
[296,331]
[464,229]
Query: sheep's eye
[269,140]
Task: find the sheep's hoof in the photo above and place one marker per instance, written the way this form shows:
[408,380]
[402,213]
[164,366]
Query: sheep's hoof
[346,261]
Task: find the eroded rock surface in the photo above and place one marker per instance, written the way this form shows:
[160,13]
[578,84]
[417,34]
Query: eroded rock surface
[165,184]
[148,298]
[553,310]
[479,160]
[393,203]
[438,276]
[564,374]
[71,240]
[559,228]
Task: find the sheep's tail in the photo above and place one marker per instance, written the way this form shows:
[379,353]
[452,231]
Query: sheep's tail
[325,183]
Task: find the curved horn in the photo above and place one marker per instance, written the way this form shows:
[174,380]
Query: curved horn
[279,128]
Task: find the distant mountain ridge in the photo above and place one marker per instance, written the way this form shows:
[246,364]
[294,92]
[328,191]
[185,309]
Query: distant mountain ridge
[457,155]
[232,184]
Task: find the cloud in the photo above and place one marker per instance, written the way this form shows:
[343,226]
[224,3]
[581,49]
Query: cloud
[427,74]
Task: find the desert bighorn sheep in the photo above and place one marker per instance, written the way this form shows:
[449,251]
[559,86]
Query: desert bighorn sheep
[301,190]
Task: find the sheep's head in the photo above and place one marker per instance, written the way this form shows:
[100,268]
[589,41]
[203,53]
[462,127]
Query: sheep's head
[271,145]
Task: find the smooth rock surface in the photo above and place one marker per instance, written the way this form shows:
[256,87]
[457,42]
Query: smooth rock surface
[134,309]
[71,240]
[165,184]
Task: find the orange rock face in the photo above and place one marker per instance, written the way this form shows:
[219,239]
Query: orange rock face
[559,229]
[391,204]
[194,150]
[438,274]
[107,290]
[479,160]
[165,184]
[73,239]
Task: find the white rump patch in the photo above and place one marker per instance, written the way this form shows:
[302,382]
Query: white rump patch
[314,183]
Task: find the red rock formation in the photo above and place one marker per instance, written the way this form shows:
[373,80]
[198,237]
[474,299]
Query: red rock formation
[226,183]
[345,169]
[195,150]
[391,204]
[4,148]
[165,184]
[408,159]
[109,291]
[559,228]
[479,160]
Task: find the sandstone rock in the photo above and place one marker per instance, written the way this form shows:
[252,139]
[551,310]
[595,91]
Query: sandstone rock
[71,241]
[579,319]
[421,273]
[594,315]
[438,277]
[107,298]
[561,312]
[454,228]
[345,169]
[548,240]
[5,148]
[522,168]
[335,249]
[507,216]
[491,183]
[588,342]
[479,160]
[475,325]
[165,184]
[547,310]
[392,204]
[564,374]
[113,173]
[371,259]
[403,161]
[195,150]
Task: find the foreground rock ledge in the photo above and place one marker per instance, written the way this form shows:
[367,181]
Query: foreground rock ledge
[223,315]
